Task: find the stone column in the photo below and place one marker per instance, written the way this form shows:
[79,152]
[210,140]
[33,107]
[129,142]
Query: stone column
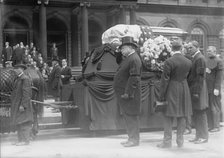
[122,16]
[84,29]
[1,30]
[43,30]
[75,53]
[132,15]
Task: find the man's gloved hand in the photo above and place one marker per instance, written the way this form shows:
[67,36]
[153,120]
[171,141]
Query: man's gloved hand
[208,70]
[125,96]
[21,109]
[216,92]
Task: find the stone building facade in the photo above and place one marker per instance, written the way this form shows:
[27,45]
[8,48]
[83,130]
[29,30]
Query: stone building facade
[76,26]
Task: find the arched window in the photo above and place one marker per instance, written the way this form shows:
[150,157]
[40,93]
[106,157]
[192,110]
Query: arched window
[57,33]
[198,34]
[168,25]
[16,30]
[221,42]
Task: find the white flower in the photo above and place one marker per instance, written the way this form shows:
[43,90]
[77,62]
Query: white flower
[153,61]
[156,56]
[151,52]
[146,58]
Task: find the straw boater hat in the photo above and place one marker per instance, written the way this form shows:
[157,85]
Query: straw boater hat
[128,40]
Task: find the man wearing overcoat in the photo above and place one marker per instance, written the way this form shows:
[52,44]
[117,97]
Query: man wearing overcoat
[199,93]
[21,108]
[127,89]
[214,72]
[175,91]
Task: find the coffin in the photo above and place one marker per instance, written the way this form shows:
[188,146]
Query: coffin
[95,94]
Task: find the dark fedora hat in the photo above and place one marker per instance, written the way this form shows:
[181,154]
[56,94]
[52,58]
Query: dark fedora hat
[128,40]
[21,66]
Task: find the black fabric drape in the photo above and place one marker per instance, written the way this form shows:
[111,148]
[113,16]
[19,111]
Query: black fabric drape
[102,91]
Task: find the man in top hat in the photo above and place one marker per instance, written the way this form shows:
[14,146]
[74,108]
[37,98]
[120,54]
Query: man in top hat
[54,80]
[199,93]
[214,72]
[21,109]
[127,89]
[175,91]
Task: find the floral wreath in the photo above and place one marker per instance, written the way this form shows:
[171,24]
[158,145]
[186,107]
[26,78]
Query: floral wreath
[154,52]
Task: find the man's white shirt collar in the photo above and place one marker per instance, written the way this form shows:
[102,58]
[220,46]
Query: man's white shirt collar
[176,52]
[195,54]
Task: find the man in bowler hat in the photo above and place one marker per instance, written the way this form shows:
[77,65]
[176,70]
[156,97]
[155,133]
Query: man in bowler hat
[21,109]
[127,89]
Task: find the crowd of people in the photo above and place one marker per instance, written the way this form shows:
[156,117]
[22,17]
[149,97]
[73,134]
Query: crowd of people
[28,55]
[190,87]
[57,74]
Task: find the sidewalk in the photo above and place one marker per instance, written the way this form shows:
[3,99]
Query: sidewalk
[73,143]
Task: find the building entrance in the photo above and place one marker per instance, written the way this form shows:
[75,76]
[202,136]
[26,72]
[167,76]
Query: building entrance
[15,37]
[16,30]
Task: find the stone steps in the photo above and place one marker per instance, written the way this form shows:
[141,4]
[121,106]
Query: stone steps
[51,118]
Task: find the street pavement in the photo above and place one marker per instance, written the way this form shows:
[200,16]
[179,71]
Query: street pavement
[74,143]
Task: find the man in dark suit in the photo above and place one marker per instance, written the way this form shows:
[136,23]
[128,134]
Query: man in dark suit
[214,72]
[127,89]
[54,79]
[175,91]
[199,93]
[6,53]
[66,74]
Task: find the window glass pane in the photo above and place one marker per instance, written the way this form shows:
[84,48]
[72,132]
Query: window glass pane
[197,34]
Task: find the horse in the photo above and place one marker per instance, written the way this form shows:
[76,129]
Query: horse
[7,81]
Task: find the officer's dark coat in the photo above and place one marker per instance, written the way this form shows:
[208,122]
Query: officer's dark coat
[127,80]
[174,87]
[21,96]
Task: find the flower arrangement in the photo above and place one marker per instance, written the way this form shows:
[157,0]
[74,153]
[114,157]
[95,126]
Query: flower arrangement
[154,52]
